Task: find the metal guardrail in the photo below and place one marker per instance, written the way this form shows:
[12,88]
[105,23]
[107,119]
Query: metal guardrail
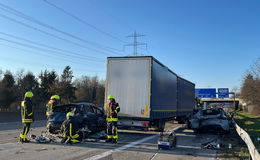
[250,145]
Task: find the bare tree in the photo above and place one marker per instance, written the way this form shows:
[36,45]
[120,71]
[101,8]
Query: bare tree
[250,90]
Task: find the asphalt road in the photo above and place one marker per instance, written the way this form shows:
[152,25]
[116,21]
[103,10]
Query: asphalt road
[132,145]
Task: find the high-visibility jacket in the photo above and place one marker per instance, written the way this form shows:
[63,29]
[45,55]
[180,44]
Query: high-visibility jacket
[112,109]
[27,111]
[50,106]
[70,128]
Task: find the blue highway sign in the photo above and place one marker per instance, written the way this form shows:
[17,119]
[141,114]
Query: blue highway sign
[223,93]
[205,92]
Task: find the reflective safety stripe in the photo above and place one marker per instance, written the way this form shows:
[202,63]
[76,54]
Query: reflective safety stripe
[115,137]
[116,111]
[109,136]
[30,114]
[27,120]
[117,107]
[70,130]
[51,107]
[75,136]
[112,119]
[26,130]
[22,136]
[47,113]
[74,140]
[22,104]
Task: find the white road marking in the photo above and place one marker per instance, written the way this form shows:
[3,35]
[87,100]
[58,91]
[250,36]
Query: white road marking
[154,156]
[107,153]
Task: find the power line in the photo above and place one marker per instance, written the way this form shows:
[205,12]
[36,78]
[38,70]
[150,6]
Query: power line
[46,50]
[34,20]
[47,46]
[135,44]
[82,21]
[29,18]
[115,18]
[43,54]
[52,35]
[53,66]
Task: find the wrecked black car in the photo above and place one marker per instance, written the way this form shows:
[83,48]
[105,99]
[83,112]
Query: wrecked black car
[90,118]
[211,119]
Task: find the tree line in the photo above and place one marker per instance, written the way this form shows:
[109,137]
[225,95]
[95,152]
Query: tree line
[47,83]
[250,89]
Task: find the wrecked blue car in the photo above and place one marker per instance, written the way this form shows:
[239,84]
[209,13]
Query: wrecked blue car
[90,118]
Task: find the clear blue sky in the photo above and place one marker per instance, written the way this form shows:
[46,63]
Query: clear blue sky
[209,42]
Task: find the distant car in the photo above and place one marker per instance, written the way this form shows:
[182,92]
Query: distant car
[211,119]
[90,117]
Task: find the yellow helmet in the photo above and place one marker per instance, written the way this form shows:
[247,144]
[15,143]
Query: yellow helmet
[70,114]
[110,96]
[55,97]
[28,94]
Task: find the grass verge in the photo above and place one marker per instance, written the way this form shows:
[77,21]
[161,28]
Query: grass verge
[251,124]
[238,151]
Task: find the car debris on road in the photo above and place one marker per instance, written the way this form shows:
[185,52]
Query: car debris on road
[214,119]
[44,139]
[167,140]
[211,145]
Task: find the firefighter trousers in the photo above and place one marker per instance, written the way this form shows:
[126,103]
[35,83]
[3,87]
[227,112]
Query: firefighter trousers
[112,130]
[26,128]
[77,138]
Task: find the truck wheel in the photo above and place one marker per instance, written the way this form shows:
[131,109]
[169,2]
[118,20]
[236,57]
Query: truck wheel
[161,125]
[181,120]
[188,124]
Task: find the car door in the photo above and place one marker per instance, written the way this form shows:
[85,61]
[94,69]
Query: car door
[90,117]
[101,118]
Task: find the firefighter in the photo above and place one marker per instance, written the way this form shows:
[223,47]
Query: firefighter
[70,130]
[112,109]
[54,101]
[27,115]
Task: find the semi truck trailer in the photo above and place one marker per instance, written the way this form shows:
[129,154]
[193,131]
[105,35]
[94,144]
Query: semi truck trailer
[149,93]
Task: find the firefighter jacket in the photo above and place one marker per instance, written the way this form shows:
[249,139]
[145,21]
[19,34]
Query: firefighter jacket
[27,111]
[112,109]
[50,106]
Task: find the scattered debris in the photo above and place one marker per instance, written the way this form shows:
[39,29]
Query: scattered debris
[211,145]
[43,139]
[167,140]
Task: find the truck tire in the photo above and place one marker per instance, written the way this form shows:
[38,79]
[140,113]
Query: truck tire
[181,120]
[188,124]
[161,125]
